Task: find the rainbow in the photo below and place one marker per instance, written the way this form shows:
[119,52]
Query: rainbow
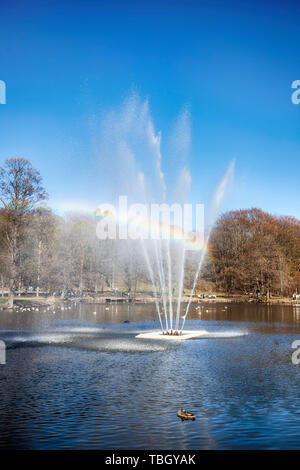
[157,230]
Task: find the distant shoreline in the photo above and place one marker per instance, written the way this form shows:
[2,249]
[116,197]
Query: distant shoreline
[33,301]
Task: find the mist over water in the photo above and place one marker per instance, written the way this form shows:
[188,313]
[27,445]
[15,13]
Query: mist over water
[84,334]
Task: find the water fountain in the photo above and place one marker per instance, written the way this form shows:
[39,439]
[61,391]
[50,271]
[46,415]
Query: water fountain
[177,332]
[129,134]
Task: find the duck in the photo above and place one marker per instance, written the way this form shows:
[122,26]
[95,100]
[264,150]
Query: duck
[184,415]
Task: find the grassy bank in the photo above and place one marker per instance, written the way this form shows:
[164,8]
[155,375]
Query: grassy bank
[145,298]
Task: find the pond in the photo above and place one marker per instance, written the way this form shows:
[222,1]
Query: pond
[79,379]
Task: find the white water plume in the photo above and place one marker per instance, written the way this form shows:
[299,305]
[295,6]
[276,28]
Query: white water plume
[132,150]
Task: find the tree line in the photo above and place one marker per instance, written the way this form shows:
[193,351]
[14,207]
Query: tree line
[250,251]
[255,252]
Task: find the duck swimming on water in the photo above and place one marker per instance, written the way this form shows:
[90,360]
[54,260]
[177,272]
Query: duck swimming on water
[184,415]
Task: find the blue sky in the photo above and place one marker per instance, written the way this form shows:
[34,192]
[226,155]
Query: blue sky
[231,64]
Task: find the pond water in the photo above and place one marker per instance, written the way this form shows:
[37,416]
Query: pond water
[79,379]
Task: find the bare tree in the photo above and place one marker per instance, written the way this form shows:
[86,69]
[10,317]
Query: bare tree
[20,190]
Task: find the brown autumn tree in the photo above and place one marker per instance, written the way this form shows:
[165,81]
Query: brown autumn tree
[247,254]
[289,239]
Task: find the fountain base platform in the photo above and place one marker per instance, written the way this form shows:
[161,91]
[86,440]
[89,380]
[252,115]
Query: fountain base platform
[187,334]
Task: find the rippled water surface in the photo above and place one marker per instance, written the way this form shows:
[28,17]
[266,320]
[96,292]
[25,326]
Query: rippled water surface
[78,378]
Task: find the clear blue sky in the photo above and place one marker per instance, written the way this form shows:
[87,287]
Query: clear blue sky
[65,63]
